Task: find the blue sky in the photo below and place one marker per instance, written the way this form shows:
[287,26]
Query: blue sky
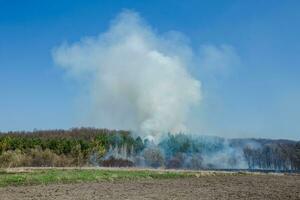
[259,97]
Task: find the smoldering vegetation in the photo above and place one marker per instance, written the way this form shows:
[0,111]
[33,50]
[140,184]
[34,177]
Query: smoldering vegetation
[111,148]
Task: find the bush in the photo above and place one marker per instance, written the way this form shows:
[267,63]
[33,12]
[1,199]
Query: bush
[194,162]
[12,159]
[153,157]
[46,158]
[117,162]
[139,161]
[174,163]
[34,158]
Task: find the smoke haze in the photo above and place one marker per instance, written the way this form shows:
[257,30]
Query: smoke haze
[137,79]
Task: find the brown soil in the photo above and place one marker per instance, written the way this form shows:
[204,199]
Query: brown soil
[205,187]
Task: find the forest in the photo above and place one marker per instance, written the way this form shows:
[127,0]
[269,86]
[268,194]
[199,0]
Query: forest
[112,148]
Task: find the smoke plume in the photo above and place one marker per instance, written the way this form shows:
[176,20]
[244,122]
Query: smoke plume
[137,78]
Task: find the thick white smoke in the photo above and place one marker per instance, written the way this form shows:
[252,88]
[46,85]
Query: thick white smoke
[137,79]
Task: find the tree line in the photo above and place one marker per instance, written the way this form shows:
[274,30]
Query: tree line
[90,146]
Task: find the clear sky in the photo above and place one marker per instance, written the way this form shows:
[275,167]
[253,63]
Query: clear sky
[258,96]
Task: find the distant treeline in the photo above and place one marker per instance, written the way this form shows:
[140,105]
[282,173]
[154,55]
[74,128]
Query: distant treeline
[276,155]
[90,146]
[75,147]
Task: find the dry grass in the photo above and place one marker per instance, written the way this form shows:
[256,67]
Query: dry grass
[34,158]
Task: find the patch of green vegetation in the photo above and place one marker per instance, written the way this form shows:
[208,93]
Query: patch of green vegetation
[47,176]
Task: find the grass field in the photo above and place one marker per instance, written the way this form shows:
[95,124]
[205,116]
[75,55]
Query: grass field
[46,176]
[132,183]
